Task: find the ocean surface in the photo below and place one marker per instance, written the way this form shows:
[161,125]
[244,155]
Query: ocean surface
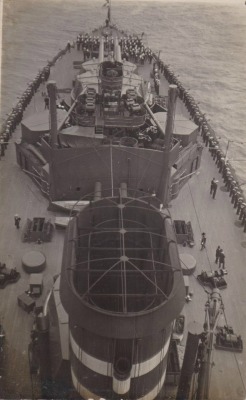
[204,42]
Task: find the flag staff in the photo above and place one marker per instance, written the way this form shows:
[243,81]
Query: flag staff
[108,5]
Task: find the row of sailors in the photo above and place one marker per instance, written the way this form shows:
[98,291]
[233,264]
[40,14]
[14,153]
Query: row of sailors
[87,42]
[188,99]
[232,186]
[156,79]
[209,139]
[16,115]
[131,47]
[135,49]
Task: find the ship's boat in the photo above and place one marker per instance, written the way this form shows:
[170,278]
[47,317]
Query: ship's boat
[113,155]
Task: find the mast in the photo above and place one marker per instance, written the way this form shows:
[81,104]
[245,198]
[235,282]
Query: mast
[187,371]
[108,5]
[52,91]
[163,190]
[109,11]
[213,310]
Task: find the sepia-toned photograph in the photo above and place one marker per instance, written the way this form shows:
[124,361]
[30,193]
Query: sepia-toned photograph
[123,200]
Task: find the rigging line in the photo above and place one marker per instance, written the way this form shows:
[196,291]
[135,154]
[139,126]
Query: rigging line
[123,252]
[153,259]
[198,221]
[89,256]
[145,170]
[99,155]
[85,154]
[143,158]
[74,157]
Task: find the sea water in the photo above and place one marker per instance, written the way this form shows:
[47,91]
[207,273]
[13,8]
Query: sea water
[204,42]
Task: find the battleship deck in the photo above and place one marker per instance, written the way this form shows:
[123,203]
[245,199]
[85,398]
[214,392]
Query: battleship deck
[215,217]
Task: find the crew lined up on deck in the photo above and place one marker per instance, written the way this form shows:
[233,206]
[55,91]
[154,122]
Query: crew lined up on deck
[16,115]
[132,48]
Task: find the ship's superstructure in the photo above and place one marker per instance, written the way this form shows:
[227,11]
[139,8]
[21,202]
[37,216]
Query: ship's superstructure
[116,133]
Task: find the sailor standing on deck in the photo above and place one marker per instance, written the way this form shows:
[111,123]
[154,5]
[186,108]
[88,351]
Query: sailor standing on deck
[2,146]
[217,254]
[17,221]
[215,188]
[78,43]
[203,241]
[222,260]
[212,186]
[46,102]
